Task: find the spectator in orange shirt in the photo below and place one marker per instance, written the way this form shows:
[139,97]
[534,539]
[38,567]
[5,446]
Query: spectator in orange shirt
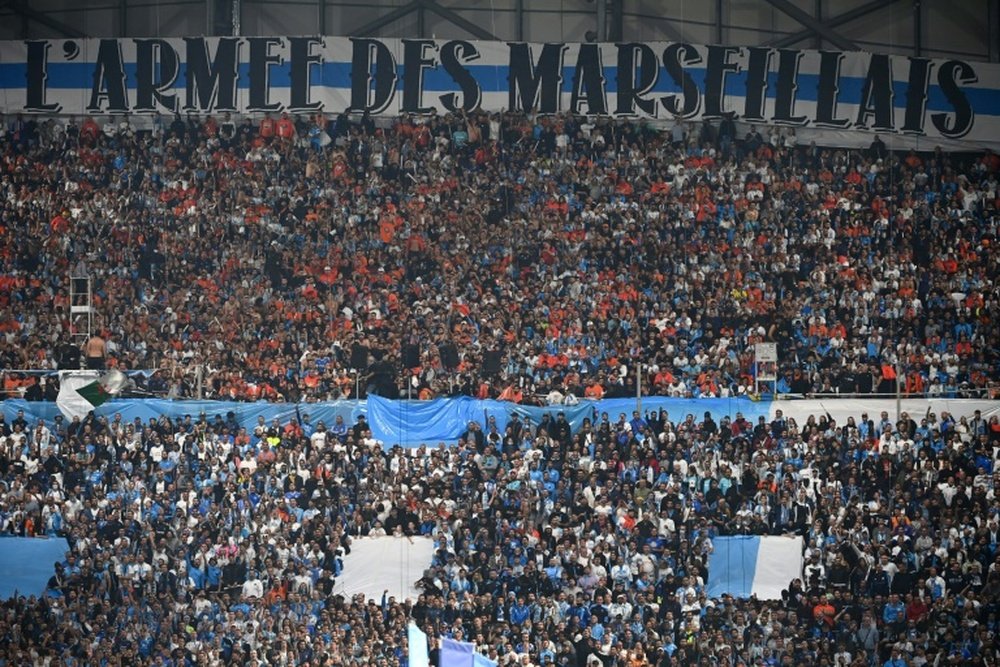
[825,613]
[594,390]
[512,393]
[285,127]
[90,129]
[266,129]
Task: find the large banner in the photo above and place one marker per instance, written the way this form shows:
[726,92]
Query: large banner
[412,423]
[748,565]
[950,100]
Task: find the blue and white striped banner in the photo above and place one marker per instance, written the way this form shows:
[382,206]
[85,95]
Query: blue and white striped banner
[946,100]
[745,566]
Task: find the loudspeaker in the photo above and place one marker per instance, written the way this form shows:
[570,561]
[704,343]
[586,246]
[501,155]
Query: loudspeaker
[492,361]
[359,357]
[411,356]
[449,355]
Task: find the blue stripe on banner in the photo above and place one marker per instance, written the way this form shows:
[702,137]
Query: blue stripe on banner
[731,566]
[494,79]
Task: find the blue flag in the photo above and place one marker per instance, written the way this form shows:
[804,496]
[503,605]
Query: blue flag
[462,654]
[456,654]
[418,655]
[480,660]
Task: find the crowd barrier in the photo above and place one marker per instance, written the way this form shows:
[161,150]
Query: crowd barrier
[411,423]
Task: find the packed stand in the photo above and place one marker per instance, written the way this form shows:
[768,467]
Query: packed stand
[197,542]
[496,255]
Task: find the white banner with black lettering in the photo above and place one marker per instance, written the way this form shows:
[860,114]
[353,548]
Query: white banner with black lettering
[907,97]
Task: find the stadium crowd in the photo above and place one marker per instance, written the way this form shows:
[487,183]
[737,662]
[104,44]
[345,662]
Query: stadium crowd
[195,542]
[250,259]
[495,255]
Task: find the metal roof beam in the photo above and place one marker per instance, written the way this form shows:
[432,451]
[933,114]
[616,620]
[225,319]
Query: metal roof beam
[384,20]
[833,22]
[22,9]
[457,19]
[815,25]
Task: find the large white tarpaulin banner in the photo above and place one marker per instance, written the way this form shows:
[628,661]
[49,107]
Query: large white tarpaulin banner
[899,96]
[379,564]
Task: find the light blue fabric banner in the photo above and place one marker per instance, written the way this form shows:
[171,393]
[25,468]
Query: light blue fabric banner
[417,653]
[677,409]
[408,423]
[461,654]
[480,660]
[28,563]
[731,566]
[456,654]
[416,422]
[245,413]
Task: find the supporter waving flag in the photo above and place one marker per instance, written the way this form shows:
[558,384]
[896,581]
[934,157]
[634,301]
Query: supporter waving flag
[82,391]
